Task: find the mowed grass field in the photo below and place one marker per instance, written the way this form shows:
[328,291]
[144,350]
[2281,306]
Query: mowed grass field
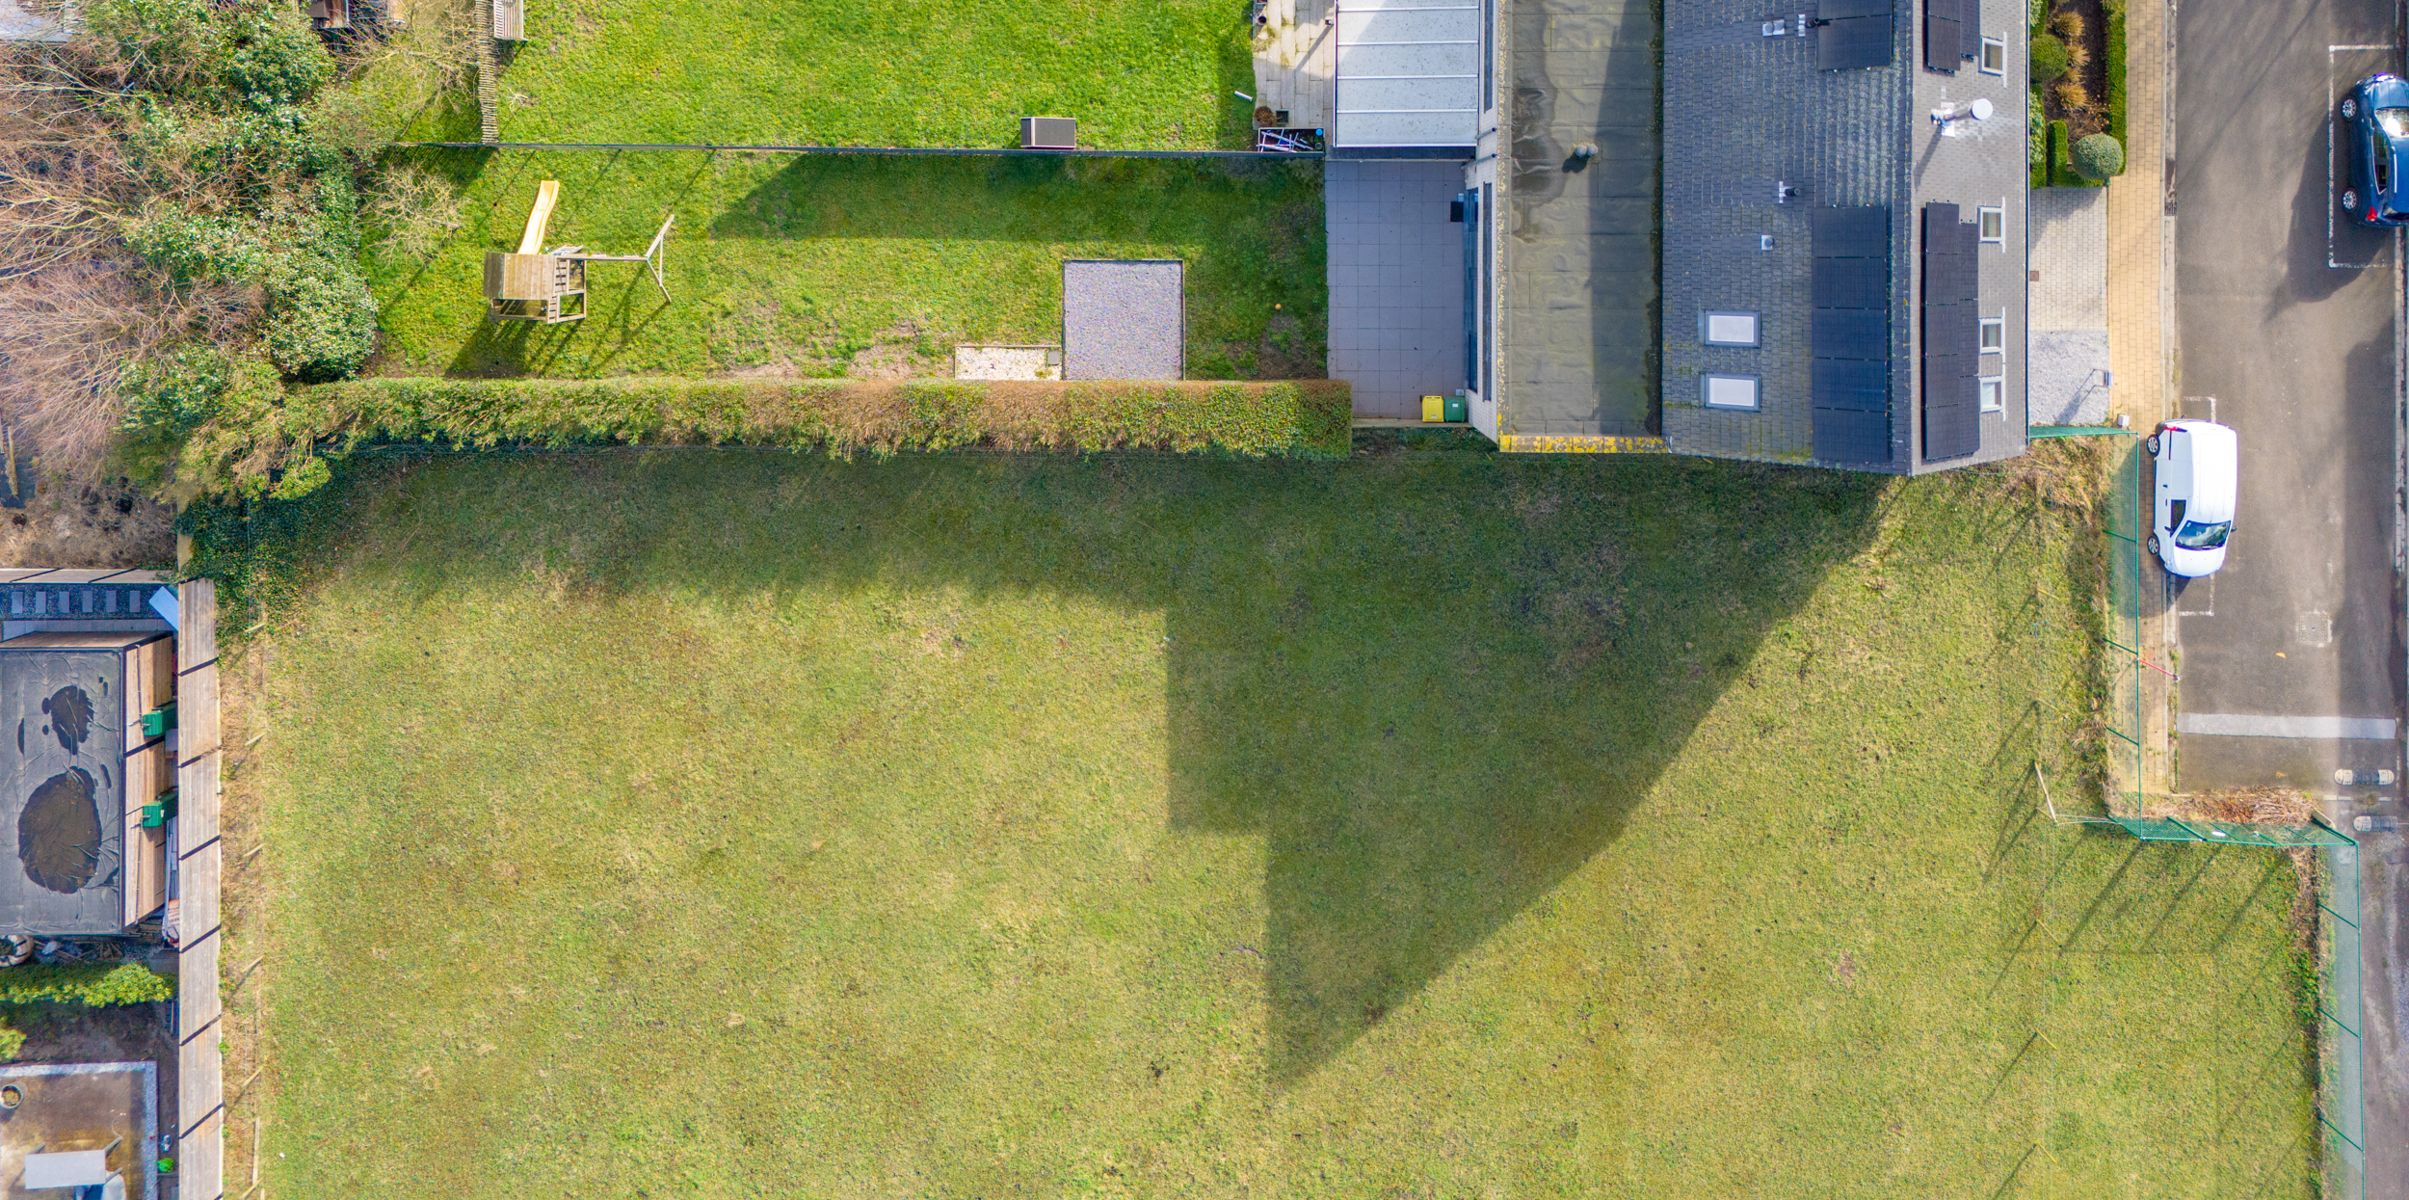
[845,266]
[1428,823]
[1136,74]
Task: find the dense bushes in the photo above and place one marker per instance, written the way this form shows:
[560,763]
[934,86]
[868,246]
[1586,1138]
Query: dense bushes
[194,249]
[186,196]
[321,320]
[90,986]
[87,986]
[240,439]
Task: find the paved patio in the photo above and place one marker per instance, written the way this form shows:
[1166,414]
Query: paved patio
[1396,282]
[2068,358]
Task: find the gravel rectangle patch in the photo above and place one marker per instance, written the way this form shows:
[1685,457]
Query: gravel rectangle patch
[1124,319]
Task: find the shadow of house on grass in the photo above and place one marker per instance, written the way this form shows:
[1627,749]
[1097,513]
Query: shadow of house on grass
[1409,813]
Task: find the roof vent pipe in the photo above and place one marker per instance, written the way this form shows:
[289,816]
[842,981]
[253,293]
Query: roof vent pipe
[1952,117]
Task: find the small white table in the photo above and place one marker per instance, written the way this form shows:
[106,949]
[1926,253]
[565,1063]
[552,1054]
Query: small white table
[65,1169]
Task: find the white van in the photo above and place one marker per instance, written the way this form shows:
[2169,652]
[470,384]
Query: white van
[2197,464]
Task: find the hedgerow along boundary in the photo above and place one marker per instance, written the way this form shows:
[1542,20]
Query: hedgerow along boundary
[2335,944]
[1298,419]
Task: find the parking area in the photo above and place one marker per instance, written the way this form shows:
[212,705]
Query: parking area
[2286,330]
[2285,323]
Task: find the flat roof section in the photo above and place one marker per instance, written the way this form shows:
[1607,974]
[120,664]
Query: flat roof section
[1408,74]
[62,785]
[1577,328]
[80,1125]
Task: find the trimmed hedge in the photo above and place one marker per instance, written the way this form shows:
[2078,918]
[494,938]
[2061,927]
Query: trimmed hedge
[2113,12]
[1294,419]
[280,447]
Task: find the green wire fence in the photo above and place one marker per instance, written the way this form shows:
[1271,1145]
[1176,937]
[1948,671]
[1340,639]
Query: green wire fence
[2341,1086]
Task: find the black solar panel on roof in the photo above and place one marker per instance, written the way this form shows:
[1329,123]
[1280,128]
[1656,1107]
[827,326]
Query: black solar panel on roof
[1859,386]
[1833,10]
[1853,42]
[1849,335]
[1943,34]
[1851,282]
[1851,232]
[1951,385]
[1843,436]
[1952,32]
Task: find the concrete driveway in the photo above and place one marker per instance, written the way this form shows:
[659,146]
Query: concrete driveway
[2286,330]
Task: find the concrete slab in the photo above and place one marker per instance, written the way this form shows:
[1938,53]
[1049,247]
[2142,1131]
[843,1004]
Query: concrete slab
[1396,269]
[2068,373]
[2069,258]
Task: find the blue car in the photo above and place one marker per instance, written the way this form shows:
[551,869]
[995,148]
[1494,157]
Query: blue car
[2375,121]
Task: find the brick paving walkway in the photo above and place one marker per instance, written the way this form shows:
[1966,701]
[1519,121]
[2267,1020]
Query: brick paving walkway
[2137,316]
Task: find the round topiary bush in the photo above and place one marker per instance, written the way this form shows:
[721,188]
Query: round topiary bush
[2049,57]
[2097,157]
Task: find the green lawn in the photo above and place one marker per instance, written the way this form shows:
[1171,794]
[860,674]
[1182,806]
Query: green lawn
[1137,74]
[1428,823]
[865,266]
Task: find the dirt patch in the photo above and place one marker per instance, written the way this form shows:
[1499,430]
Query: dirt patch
[1286,352]
[1845,969]
[79,525]
[2246,806]
[886,360]
[137,1032]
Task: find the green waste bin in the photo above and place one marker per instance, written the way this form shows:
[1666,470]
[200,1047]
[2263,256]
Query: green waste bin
[1458,411]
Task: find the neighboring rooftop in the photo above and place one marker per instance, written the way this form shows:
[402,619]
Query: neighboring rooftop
[1843,241]
[1408,76]
[1577,322]
[74,764]
[79,1124]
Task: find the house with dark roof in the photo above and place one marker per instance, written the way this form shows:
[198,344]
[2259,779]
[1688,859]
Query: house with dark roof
[1844,263]
[1798,237]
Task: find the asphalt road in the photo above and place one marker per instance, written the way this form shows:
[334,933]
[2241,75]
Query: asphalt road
[2286,330]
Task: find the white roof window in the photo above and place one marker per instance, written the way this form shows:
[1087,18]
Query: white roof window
[1730,391]
[1728,328]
